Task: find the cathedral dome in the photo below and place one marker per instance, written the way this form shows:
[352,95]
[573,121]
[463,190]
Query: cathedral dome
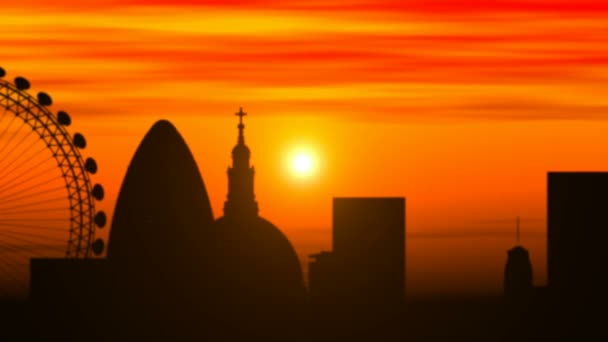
[254,279]
[256,267]
[254,282]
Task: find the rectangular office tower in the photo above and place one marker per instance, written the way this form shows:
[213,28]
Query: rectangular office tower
[369,249]
[577,236]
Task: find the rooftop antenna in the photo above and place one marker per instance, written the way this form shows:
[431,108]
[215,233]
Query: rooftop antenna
[517,231]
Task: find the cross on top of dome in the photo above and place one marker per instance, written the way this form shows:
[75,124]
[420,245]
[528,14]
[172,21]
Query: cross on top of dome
[241,126]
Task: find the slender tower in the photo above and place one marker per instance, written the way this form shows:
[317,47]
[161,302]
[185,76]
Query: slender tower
[241,201]
[518,272]
[256,275]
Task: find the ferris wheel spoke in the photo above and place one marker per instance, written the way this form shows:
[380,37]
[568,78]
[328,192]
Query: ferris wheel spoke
[7,127]
[34,247]
[22,236]
[24,192]
[8,219]
[11,253]
[35,203]
[28,196]
[19,233]
[24,150]
[28,186]
[33,211]
[18,248]
[8,272]
[8,141]
[4,114]
[27,203]
[19,143]
[24,163]
[27,175]
[52,225]
[10,266]
[14,253]
[28,249]
[15,223]
[19,254]
[25,251]
[36,175]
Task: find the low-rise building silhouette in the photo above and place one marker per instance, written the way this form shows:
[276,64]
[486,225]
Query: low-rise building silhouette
[369,246]
[367,265]
[322,277]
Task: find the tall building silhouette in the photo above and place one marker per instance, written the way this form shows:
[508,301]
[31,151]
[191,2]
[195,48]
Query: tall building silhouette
[162,205]
[369,246]
[151,282]
[255,274]
[576,253]
[518,285]
[577,234]
[367,265]
[156,245]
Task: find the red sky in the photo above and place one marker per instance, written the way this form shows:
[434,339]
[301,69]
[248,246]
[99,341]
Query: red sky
[460,106]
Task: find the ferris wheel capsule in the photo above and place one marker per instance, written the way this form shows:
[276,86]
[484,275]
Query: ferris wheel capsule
[21,83]
[100,219]
[44,99]
[98,192]
[79,141]
[63,118]
[98,246]
[90,165]
[2,72]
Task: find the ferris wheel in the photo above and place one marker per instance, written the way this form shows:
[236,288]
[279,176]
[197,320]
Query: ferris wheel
[47,201]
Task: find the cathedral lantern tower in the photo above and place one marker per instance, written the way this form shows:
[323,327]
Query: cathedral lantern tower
[254,270]
[241,198]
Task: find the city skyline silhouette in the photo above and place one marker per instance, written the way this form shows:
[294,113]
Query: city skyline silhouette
[463,116]
[286,170]
[238,276]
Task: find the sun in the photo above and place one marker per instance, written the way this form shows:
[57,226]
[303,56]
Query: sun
[303,163]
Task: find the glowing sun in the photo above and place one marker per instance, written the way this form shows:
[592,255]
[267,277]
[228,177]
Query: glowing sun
[303,163]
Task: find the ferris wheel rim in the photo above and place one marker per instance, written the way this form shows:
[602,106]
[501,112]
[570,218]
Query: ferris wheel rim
[73,171]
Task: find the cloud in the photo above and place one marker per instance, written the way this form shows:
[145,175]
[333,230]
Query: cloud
[137,60]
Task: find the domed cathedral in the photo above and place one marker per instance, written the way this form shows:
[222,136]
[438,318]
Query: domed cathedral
[258,278]
[161,217]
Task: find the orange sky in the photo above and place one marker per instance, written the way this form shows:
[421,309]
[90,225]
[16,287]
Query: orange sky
[460,106]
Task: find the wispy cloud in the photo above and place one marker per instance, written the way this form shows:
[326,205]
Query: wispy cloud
[365,58]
